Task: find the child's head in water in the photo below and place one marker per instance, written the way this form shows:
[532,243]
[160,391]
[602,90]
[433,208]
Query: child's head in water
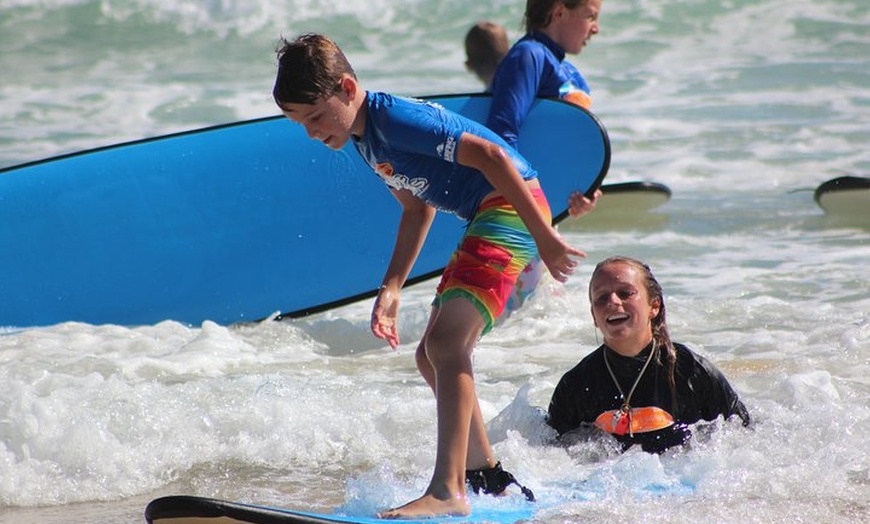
[625,300]
[628,306]
[486,43]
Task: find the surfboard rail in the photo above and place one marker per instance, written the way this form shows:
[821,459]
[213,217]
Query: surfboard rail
[845,200]
[637,186]
[189,509]
[184,509]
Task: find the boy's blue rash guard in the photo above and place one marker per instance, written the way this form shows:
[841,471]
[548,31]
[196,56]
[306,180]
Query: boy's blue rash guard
[534,67]
[411,144]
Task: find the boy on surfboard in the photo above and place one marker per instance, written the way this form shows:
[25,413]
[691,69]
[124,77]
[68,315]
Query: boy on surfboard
[431,159]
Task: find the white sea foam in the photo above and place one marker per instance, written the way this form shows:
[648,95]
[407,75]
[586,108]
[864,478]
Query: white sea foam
[733,105]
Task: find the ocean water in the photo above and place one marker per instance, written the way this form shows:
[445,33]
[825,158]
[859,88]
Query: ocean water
[741,107]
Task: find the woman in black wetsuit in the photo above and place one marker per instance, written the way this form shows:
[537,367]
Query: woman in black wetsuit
[638,386]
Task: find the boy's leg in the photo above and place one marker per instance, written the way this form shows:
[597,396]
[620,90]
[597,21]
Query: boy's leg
[449,344]
[449,347]
[474,288]
[480,454]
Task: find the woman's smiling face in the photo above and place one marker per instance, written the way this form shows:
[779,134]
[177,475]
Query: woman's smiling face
[621,307]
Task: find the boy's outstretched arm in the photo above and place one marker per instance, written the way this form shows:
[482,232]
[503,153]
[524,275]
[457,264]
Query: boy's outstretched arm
[417,217]
[495,164]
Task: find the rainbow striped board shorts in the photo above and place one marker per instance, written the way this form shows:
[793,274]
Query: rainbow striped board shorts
[494,250]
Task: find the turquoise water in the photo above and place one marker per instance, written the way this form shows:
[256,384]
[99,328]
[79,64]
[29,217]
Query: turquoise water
[740,107]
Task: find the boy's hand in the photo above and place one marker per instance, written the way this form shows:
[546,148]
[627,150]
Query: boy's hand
[385,316]
[579,205]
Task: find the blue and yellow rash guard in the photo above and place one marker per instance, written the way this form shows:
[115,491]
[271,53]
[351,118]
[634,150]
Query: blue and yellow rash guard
[534,67]
[411,144]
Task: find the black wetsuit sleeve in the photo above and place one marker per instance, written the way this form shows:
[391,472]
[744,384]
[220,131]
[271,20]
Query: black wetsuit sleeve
[712,394]
[575,397]
[582,394]
[561,413]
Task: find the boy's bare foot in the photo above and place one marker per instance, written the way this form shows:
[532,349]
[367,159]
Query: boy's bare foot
[429,506]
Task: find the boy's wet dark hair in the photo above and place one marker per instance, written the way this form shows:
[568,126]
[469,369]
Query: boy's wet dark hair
[310,67]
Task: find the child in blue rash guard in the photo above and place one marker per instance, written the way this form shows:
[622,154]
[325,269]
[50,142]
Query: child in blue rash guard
[430,159]
[536,67]
[639,386]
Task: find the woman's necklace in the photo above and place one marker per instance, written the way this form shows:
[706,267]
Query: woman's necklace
[622,417]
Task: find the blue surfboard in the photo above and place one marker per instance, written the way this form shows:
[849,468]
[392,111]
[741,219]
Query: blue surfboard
[235,222]
[184,509]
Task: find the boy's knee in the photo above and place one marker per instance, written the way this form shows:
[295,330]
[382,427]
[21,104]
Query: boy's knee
[420,356]
[443,350]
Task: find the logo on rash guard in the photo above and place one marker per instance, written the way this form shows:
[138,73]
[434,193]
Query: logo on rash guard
[447,150]
[570,93]
[384,170]
[415,185]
